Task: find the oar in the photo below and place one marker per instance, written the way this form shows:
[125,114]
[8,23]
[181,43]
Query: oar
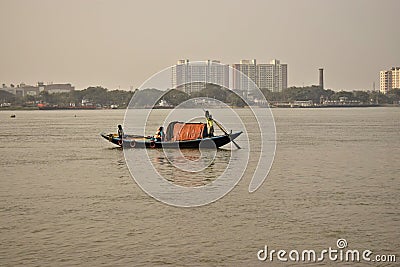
[222,129]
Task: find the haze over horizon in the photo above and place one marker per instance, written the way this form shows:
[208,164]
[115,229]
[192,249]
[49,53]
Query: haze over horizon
[122,43]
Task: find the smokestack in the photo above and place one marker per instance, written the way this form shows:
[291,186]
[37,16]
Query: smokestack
[321,79]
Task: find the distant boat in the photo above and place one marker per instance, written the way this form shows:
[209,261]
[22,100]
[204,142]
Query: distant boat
[12,116]
[178,135]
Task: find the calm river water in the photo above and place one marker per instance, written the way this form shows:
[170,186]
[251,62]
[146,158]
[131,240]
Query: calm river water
[67,197]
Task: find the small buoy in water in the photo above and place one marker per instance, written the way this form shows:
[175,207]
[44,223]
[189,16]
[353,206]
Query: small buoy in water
[75,115]
[12,116]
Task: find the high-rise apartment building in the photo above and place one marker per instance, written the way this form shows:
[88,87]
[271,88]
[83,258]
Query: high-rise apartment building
[193,76]
[385,81]
[249,69]
[271,76]
[389,79]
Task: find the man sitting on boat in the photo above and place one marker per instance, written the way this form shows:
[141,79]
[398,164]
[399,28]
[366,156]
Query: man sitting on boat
[160,135]
[120,131]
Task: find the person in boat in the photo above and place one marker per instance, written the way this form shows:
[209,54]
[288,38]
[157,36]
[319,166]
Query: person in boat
[210,124]
[160,135]
[120,131]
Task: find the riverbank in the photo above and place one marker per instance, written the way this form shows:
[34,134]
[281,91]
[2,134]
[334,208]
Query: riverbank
[271,106]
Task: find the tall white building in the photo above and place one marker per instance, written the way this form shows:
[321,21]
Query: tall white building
[271,76]
[249,69]
[193,76]
[389,79]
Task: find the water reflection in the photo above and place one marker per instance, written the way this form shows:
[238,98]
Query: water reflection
[209,163]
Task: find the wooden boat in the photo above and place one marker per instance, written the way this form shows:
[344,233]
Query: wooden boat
[179,135]
[134,141]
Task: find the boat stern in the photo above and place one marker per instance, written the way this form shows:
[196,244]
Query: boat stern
[233,136]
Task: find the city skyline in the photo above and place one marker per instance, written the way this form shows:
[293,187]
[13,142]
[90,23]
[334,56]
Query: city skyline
[214,72]
[120,44]
[190,76]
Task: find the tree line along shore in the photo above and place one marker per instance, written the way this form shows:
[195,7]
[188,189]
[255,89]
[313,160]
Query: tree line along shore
[99,97]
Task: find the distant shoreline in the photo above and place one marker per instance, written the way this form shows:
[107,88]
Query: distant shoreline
[168,108]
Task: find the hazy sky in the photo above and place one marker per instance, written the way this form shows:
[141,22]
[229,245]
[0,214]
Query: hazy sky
[122,43]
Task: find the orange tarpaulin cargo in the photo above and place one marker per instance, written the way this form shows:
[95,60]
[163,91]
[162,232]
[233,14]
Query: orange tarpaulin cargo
[188,131]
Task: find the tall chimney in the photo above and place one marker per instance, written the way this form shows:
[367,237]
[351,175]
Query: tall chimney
[321,79]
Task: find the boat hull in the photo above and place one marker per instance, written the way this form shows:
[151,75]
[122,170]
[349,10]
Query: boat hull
[132,141]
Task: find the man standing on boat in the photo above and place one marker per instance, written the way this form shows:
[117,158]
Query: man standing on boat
[210,124]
